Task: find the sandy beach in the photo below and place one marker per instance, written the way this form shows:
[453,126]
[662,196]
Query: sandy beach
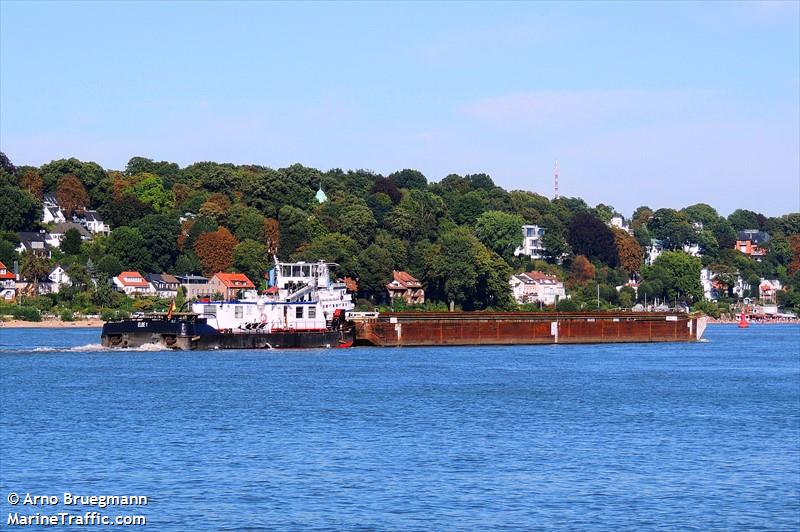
[51,324]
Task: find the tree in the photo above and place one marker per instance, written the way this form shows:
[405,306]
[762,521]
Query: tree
[332,247]
[375,270]
[462,270]
[417,216]
[500,232]
[701,213]
[589,236]
[200,225]
[411,179]
[386,185]
[90,174]
[34,268]
[629,251]
[71,195]
[215,250]
[109,266]
[679,274]
[295,229]
[140,165]
[251,258]
[160,233]
[272,234]
[555,246]
[468,207]
[71,245]
[672,228]
[250,226]
[581,270]
[742,219]
[358,223]
[32,182]
[19,210]
[150,190]
[187,263]
[128,245]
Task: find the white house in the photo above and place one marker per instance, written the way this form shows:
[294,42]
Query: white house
[33,242]
[531,242]
[537,287]
[92,221]
[52,215]
[56,235]
[620,222]
[55,280]
[132,283]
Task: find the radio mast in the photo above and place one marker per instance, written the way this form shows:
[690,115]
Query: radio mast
[555,182]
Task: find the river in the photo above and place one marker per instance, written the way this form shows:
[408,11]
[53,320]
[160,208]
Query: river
[636,436]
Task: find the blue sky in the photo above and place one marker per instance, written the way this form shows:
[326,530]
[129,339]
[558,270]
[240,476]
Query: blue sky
[663,104]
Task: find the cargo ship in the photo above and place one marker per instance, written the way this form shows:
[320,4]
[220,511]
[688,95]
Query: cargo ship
[304,308]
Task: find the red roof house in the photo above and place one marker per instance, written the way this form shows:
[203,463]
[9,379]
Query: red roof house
[230,284]
[133,283]
[404,285]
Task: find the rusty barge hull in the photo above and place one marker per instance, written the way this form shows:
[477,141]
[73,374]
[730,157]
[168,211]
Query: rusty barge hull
[517,328]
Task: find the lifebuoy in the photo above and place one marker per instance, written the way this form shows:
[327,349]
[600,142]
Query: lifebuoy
[263,318]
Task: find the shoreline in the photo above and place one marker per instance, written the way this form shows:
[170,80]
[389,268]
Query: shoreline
[52,324]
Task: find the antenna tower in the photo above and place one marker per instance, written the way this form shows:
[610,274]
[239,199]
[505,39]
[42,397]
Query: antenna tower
[555,182]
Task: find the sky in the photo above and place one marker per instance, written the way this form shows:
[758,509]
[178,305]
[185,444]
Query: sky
[658,104]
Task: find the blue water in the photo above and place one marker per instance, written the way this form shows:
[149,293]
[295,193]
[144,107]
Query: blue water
[669,436]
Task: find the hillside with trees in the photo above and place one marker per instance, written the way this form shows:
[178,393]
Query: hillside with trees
[457,235]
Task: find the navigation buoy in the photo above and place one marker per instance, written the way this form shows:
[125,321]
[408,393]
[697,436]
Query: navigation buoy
[743,322]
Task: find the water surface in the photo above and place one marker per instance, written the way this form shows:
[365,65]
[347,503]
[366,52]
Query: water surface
[662,436]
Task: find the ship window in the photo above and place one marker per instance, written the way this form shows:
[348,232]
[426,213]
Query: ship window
[312,313]
[210,310]
[237,310]
[298,312]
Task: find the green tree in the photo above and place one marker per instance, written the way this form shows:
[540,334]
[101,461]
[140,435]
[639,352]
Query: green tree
[90,174]
[71,245]
[141,165]
[160,233]
[501,232]
[150,190]
[417,216]
[411,179]
[251,258]
[672,228]
[19,210]
[187,263]
[742,219]
[375,267]
[295,229]
[128,245]
[679,274]
[332,247]
[109,266]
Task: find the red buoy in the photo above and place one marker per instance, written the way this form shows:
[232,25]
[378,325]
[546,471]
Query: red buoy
[742,321]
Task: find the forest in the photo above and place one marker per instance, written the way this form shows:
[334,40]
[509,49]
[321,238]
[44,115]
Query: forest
[457,235]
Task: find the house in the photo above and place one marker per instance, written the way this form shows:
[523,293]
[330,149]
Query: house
[195,286]
[52,215]
[33,242]
[532,245]
[537,287]
[652,251]
[55,280]
[230,285]
[164,284]
[767,290]
[132,283]
[93,223]
[406,287]
[56,235]
[8,289]
[620,222]
[752,243]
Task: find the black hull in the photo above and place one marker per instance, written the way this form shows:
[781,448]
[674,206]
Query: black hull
[185,335]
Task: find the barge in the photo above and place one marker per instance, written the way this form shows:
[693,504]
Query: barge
[303,309]
[511,328]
